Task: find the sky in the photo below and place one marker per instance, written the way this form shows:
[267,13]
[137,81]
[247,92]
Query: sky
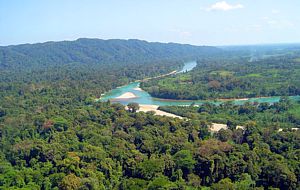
[198,22]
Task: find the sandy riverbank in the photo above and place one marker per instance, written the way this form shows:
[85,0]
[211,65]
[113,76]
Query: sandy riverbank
[215,127]
[233,99]
[127,95]
[138,89]
[154,108]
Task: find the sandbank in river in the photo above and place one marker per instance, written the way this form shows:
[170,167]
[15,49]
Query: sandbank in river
[127,95]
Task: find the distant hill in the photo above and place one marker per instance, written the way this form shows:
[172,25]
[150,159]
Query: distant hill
[97,51]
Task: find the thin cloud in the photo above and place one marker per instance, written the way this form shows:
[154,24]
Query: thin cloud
[182,33]
[275,11]
[278,23]
[224,6]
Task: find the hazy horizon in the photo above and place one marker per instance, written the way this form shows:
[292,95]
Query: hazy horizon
[207,22]
[225,45]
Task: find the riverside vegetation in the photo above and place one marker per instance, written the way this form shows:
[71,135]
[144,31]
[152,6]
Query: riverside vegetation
[53,135]
[233,76]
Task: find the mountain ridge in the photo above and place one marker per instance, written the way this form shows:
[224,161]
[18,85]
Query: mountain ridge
[98,51]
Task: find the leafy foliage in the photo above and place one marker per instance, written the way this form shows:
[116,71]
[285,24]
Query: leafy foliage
[53,135]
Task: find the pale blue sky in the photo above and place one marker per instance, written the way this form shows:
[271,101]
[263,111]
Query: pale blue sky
[200,22]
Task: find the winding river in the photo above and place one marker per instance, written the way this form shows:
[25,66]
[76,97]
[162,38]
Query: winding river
[144,97]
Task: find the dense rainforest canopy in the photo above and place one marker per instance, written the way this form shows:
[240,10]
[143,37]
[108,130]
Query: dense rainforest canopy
[54,135]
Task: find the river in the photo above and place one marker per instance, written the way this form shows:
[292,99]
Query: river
[144,97]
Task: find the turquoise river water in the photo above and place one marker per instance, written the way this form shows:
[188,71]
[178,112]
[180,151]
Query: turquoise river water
[144,97]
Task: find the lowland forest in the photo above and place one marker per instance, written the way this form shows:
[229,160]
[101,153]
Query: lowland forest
[55,135]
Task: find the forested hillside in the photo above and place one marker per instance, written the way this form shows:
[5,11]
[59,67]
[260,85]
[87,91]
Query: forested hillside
[237,75]
[96,51]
